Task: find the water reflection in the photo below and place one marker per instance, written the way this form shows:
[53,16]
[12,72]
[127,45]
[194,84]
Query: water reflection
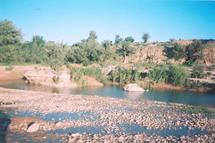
[135,95]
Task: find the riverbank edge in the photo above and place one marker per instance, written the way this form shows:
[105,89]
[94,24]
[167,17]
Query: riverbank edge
[17,73]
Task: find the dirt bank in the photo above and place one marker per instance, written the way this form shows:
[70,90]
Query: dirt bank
[13,73]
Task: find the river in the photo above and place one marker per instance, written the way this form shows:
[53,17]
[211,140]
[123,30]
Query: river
[184,97]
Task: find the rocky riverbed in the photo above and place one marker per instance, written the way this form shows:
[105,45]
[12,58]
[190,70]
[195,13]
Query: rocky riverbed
[44,117]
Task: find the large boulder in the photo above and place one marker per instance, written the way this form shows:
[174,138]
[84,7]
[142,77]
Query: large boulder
[49,77]
[39,76]
[133,88]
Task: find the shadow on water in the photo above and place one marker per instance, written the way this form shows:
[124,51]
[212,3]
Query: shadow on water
[4,123]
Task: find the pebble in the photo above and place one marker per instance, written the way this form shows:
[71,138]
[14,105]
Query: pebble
[110,114]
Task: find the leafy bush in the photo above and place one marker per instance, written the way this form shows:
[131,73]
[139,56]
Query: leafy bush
[175,51]
[159,74]
[176,75]
[170,74]
[194,52]
[77,73]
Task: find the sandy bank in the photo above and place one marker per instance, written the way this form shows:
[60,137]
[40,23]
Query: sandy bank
[16,73]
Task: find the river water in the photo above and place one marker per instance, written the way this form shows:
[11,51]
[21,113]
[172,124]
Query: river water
[184,97]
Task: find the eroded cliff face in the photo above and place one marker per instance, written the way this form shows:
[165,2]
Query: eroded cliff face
[208,50]
[154,53]
[209,53]
[149,53]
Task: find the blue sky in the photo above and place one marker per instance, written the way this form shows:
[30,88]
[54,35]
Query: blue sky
[70,21]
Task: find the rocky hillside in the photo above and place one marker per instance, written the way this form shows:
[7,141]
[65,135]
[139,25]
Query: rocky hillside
[155,52]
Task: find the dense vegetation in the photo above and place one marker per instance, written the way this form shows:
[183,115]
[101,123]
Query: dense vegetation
[172,74]
[122,75]
[78,73]
[14,50]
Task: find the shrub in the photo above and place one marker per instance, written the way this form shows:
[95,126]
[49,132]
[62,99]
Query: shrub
[176,75]
[77,73]
[175,51]
[194,52]
[159,74]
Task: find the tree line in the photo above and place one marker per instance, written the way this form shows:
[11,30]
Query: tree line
[14,50]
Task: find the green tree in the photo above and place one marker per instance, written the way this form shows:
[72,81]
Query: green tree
[194,52]
[92,36]
[10,41]
[56,55]
[145,37]
[77,55]
[9,34]
[118,39]
[35,50]
[175,51]
[106,44]
[38,41]
[125,50]
[129,39]
[87,51]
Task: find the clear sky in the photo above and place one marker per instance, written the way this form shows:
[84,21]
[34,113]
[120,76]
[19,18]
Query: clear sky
[70,21]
